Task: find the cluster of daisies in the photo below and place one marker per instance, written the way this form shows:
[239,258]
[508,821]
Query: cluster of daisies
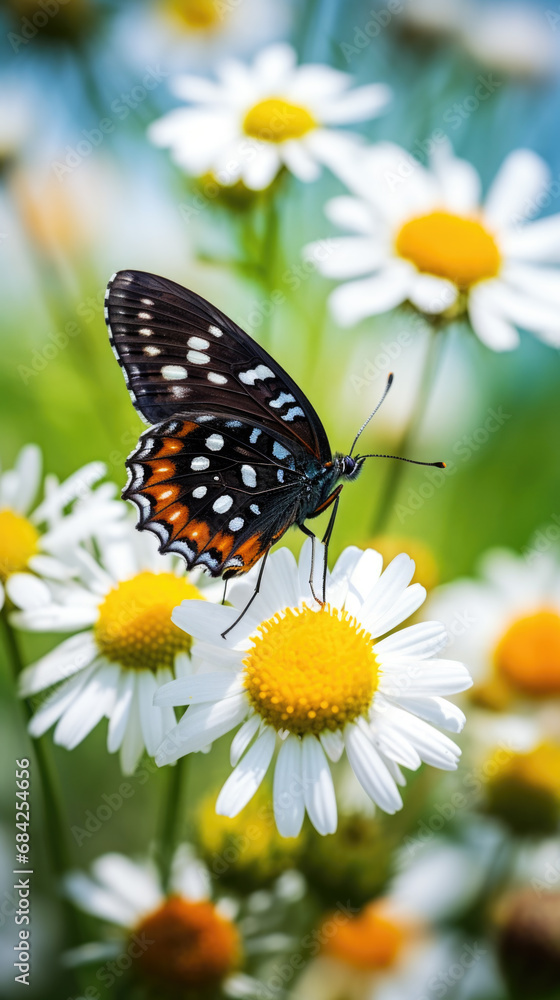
[417,234]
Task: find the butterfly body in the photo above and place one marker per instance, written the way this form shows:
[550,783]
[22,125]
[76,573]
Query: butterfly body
[235,453]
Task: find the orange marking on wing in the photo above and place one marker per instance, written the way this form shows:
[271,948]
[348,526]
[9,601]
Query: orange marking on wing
[164,495]
[169,446]
[187,428]
[161,470]
[199,532]
[177,516]
[223,542]
[250,551]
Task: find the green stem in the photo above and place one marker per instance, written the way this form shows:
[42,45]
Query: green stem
[393,480]
[171,819]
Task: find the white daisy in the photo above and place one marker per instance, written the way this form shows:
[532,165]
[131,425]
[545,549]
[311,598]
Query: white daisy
[124,648]
[506,626]
[178,940]
[318,678]
[423,236]
[36,541]
[258,119]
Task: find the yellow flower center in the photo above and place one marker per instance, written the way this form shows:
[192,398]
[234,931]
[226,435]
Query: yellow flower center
[191,945]
[311,670]
[197,15]
[19,540]
[451,247]
[528,654]
[277,120]
[134,626]
[368,941]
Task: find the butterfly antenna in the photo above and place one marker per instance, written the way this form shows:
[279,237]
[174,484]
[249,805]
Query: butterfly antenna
[413,461]
[366,422]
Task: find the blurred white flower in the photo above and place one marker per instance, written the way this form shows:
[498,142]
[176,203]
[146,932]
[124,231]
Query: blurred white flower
[179,939]
[258,119]
[318,678]
[506,625]
[126,645]
[38,541]
[424,237]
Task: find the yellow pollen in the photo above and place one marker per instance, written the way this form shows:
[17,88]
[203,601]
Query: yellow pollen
[277,120]
[451,247]
[311,670]
[19,540]
[134,626]
[528,654]
[369,941]
[196,15]
[192,945]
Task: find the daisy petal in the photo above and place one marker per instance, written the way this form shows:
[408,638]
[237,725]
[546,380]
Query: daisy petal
[246,778]
[354,301]
[289,807]
[371,771]
[89,707]
[519,181]
[243,738]
[200,726]
[67,659]
[318,788]
[421,641]
[57,703]
[119,716]
[136,885]
[199,688]
[438,711]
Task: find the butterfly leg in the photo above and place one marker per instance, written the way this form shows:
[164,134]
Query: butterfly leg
[251,599]
[326,540]
[225,591]
[310,535]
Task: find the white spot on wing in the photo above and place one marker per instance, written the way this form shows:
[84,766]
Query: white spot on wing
[173,372]
[255,508]
[147,302]
[279,451]
[255,435]
[200,463]
[215,442]
[284,397]
[217,379]
[179,391]
[144,315]
[236,523]
[168,493]
[248,475]
[295,411]
[280,475]
[151,350]
[196,358]
[251,376]
[145,331]
[199,492]
[198,343]
[222,504]
[215,331]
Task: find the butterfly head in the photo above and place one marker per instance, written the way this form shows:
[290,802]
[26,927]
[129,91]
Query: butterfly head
[349,468]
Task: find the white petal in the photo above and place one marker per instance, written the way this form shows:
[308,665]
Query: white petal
[434,748]
[275,62]
[389,588]
[317,550]
[136,885]
[57,703]
[199,688]
[403,607]
[350,213]
[536,282]
[151,719]
[346,256]
[371,771]
[356,300]
[201,725]
[88,708]
[458,180]
[535,242]
[299,162]
[52,568]
[196,89]
[416,641]
[438,711]
[424,677]
[99,901]
[333,744]
[357,105]
[132,744]
[393,745]
[27,471]
[318,788]
[75,486]
[244,781]
[520,180]
[432,295]
[243,738]
[289,807]
[119,716]
[67,659]
[488,323]
[260,170]
[364,577]
[525,310]
[56,618]
[27,591]
[207,621]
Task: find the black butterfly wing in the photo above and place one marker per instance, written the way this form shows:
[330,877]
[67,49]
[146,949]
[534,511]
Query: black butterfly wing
[181,354]
[217,491]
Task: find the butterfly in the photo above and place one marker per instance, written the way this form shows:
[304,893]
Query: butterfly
[235,453]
